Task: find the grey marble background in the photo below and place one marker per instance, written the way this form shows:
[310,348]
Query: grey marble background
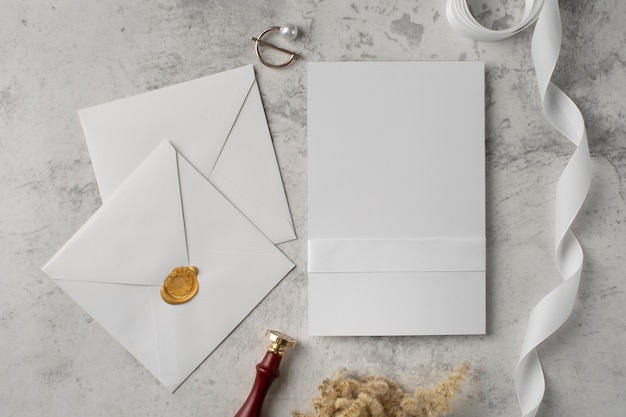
[59,56]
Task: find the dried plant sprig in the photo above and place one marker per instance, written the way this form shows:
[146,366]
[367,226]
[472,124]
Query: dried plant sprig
[377,396]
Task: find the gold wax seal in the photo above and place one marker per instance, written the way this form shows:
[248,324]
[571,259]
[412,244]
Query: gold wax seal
[181,285]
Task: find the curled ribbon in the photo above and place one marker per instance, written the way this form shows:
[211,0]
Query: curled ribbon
[554,309]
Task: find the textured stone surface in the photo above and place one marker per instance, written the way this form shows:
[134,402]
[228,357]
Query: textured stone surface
[59,56]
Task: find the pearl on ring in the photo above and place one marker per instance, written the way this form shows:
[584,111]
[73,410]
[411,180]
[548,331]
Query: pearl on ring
[289,31]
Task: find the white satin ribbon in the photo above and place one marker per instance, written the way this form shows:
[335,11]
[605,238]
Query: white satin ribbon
[462,21]
[554,309]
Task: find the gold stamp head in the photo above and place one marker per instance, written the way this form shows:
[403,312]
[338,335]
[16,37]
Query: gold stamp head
[181,285]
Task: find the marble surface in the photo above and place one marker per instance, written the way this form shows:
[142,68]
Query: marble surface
[59,56]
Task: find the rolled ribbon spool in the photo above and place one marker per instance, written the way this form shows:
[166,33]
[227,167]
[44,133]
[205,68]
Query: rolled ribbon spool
[266,373]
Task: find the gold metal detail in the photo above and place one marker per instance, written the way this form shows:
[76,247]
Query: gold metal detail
[258,41]
[181,285]
[279,341]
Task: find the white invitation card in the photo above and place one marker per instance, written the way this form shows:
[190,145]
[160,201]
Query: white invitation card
[396,198]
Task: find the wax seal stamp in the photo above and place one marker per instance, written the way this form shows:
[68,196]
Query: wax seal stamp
[181,285]
[266,372]
[280,341]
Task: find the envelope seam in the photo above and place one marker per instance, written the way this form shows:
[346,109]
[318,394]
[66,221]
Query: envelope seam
[156,339]
[182,206]
[232,126]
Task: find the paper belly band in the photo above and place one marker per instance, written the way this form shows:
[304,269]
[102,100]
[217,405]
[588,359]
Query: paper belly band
[396,255]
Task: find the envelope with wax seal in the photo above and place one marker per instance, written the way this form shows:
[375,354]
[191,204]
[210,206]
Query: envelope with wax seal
[216,122]
[166,215]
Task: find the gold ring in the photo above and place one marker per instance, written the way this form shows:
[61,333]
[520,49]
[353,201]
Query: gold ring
[258,41]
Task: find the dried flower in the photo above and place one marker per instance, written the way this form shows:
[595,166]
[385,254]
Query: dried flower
[376,396]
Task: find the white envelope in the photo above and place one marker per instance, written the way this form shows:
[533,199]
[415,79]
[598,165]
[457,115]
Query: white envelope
[165,215]
[396,198]
[216,122]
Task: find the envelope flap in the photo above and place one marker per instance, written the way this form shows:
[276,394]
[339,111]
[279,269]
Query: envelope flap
[247,173]
[238,266]
[232,285]
[213,222]
[136,237]
[195,116]
[124,311]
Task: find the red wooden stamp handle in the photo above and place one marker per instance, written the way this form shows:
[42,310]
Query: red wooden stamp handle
[266,372]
